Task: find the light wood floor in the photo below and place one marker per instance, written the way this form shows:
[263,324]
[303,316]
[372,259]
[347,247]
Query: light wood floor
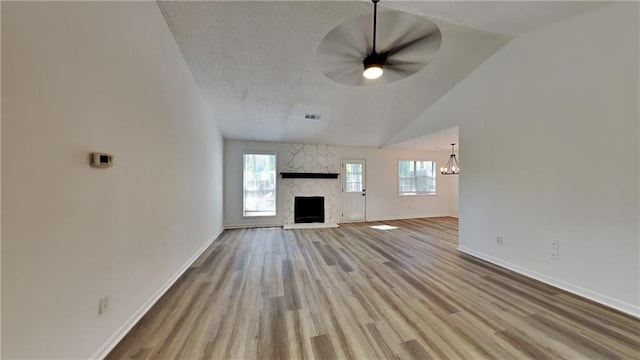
[359,293]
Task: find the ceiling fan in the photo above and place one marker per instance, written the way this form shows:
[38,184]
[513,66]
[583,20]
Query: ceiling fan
[351,54]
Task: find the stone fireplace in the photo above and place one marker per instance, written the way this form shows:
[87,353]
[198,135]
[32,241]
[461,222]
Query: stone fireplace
[309,171]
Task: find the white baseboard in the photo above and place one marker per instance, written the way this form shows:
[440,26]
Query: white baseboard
[249,226]
[370,219]
[104,350]
[605,300]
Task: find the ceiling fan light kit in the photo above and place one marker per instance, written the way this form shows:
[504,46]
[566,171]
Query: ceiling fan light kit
[373,65]
[373,72]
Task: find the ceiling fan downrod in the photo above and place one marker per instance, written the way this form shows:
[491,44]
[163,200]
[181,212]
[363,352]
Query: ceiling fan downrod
[375,22]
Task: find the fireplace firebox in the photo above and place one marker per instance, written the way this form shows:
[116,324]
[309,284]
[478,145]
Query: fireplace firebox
[308,209]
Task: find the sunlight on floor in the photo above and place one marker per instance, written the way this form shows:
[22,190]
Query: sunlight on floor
[384,227]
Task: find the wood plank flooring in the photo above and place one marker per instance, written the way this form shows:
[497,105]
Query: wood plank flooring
[359,293]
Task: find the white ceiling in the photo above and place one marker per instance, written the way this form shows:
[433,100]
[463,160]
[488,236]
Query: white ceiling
[436,141]
[509,18]
[255,64]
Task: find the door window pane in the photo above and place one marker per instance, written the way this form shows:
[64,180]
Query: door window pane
[353,181]
[259,185]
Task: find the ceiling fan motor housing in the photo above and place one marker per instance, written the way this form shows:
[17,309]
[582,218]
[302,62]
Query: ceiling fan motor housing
[374,59]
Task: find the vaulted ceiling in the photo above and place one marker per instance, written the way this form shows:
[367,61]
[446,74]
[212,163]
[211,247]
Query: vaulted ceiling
[256,64]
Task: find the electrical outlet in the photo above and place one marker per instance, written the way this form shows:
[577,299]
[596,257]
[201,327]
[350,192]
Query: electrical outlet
[499,240]
[103,305]
[555,244]
[554,255]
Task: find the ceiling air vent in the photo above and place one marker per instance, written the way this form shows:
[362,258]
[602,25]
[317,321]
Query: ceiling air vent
[309,116]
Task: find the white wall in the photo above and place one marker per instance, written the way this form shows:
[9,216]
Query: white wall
[81,77]
[383,202]
[550,151]
[455,195]
[0,179]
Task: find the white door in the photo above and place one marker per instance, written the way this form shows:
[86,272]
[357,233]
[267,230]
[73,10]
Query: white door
[353,190]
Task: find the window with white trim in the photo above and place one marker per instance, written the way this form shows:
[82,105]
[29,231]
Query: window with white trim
[416,177]
[259,184]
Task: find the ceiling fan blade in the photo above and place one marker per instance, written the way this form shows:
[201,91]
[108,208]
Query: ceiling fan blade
[350,75]
[338,58]
[350,38]
[406,68]
[401,28]
[422,52]
[394,74]
[395,36]
[393,63]
[410,43]
[335,47]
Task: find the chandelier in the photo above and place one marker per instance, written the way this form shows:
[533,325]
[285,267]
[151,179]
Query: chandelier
[452,167]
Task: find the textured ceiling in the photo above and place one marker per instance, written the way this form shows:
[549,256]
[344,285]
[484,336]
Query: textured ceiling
[255,63]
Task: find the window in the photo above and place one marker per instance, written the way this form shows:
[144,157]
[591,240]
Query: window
[416,177]
[259,185]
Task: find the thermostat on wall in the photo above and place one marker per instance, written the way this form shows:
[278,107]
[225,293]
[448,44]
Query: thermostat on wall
[101,160]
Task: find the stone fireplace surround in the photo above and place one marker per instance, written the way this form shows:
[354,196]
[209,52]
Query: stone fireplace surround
[301,158]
